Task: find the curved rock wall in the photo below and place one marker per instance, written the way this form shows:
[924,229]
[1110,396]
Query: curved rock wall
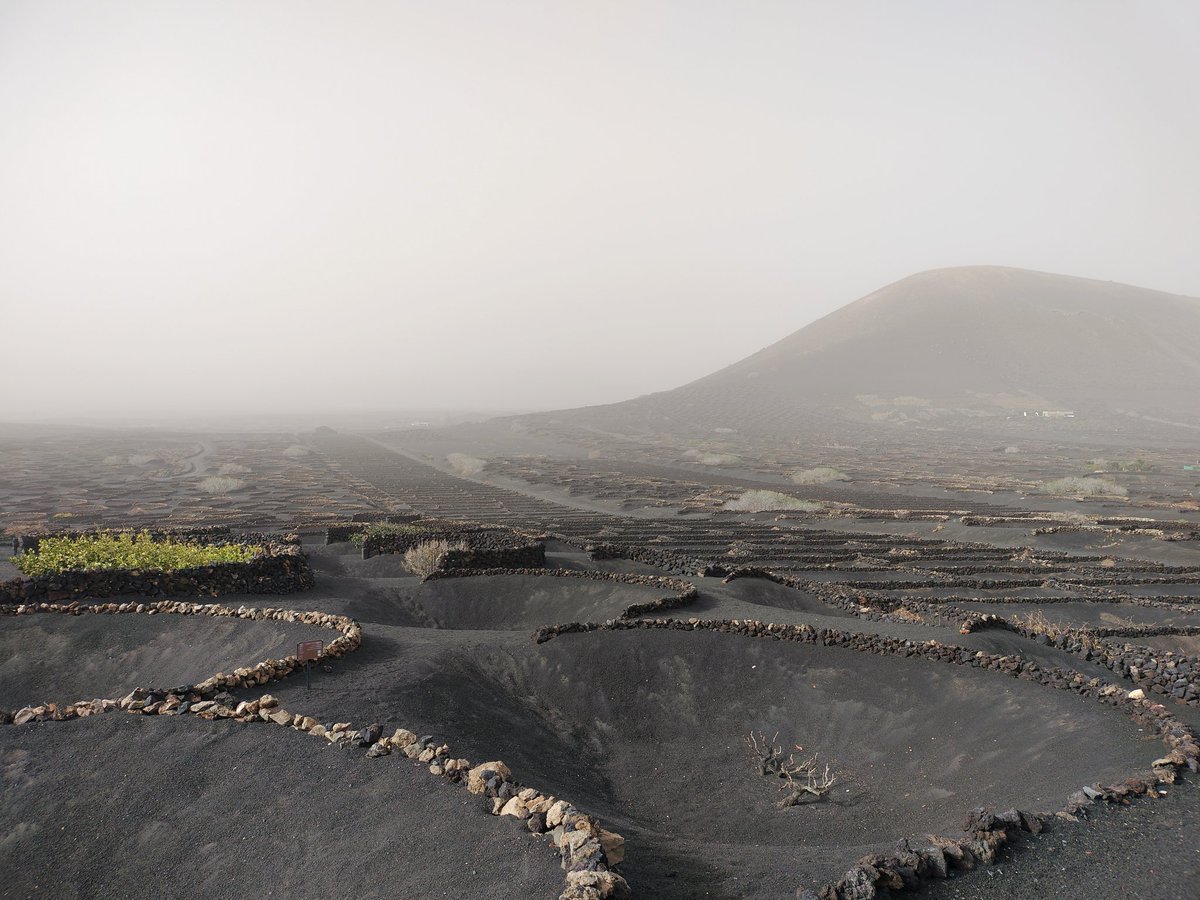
[912,865]
[587,851]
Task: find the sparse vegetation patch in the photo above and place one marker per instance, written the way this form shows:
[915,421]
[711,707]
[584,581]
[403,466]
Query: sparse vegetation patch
[386,529]
[707,458]
[220,485]
[818,475]
[126,550]
[465,465]
[427,557]
[770,501]
[1074,486]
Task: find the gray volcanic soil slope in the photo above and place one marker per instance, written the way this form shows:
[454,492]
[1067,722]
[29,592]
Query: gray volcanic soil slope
[645,729]
[130,806]
[978,338]
[1146,851]
[503,602]
[63,658]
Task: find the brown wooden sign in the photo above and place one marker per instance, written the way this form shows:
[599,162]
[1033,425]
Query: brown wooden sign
[307,651]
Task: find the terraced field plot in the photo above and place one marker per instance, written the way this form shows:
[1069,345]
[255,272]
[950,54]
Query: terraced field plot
[641,717]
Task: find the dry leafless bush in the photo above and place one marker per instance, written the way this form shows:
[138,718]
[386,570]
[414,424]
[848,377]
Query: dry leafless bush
[818,475]
[220,485]
[803,780]
[463,464]
[711,458]
[427,557]
[770,501]
[1037,622]
[1074,486]
[295,452]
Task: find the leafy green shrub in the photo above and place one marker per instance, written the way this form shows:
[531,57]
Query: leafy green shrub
[386,529]
[125,550]
[770,501]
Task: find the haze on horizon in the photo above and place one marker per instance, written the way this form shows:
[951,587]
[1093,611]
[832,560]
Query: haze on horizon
[238,208]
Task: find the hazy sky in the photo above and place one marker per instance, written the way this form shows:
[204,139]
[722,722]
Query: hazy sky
[249,205]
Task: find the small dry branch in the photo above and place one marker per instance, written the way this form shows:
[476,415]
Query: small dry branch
[803,780]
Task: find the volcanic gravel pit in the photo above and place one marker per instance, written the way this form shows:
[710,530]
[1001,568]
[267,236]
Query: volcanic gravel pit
[64,658]
[500,602]
[647,729]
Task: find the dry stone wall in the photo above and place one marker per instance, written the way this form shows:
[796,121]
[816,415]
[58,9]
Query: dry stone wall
[281,569]
[587,851]
[668,561]
[913,864]
[487,546]
[1165,673]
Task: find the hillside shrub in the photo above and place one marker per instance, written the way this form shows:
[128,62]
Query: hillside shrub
[708,458]
[220,485]
[296,452]
[126,550]
[770,501]
[428,556]
[818,475]
[1074,486]
[463,464]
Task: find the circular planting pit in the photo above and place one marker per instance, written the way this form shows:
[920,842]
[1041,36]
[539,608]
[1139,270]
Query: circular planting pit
[500,602]
[647,730]
[137,806]
[63,658]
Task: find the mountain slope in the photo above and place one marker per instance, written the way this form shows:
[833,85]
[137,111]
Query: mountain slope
[974,343]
